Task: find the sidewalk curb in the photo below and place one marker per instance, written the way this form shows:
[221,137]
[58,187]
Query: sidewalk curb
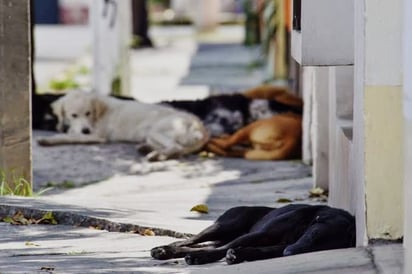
[80,220]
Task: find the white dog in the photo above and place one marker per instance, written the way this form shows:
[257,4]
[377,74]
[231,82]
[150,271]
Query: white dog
[93,118]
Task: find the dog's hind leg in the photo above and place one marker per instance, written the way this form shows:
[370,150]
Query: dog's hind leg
[241,254]
[204,256]
[239,137]
[287,150]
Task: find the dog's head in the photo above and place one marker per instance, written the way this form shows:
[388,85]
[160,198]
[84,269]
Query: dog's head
[222,121]
[260,109]
[78,112]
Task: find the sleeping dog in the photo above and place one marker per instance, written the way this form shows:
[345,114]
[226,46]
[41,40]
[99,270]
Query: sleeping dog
[278,93]
[275,138]
[224,114]
[221,114]
[93,118]
[257,233]
[43,117]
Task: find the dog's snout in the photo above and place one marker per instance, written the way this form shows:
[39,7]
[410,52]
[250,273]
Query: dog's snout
[86,130]
[65,128]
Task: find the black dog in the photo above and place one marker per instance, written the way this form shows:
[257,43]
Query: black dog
[43,117]
[256,233]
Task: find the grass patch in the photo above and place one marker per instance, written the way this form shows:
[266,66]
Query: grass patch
[63,84]
[16,185]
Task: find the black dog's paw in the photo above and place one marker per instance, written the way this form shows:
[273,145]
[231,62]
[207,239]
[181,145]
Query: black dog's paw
[191,259]
[233,257]
[144,149]
[162,252]
[194,259]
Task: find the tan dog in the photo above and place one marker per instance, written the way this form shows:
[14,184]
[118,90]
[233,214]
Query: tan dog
[275,138]
[277,93]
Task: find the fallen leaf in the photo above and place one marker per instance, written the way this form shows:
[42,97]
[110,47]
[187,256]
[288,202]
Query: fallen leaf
[200,208]
[148,232]
[8,220]
[47,268]
[47,218]
[20,219]
[283,200]
[31,244]
[317,192]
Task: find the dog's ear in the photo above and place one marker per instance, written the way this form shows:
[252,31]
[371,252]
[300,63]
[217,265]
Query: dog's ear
[99,108]
[58,110]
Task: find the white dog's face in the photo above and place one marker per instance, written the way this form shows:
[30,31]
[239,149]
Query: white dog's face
[78,112]
[259,109]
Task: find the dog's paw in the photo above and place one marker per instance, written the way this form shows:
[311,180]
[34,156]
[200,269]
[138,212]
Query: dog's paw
[144,149]
[155,156]
[45,141]
[231,256]
[192,259]
[162,252]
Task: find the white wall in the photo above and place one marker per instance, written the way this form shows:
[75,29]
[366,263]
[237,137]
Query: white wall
[326,35]
[407,110]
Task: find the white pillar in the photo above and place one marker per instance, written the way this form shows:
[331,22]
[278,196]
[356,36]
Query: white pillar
[407,107]
[377,131]
[340,137]
[206,14]
[111,42]
[320,127]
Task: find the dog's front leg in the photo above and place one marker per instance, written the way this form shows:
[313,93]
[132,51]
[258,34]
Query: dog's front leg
[241,254]
[65,139]
[163,147]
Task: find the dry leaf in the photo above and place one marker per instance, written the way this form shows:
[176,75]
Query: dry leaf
[316,192]
[31,244]
[47,218]
[200,208]
[283,200]
[148,232]
[47,268]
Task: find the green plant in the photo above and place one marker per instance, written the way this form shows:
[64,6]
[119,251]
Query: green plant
[271,24]
[116,86]
[67,83]
[13,184]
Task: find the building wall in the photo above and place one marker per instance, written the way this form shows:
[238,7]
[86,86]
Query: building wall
[378,121]
[384,161]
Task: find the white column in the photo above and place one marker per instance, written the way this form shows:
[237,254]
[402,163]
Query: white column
[206,14]
[378,124]
[340,137]
[407,111]
[320,127]
[111,41]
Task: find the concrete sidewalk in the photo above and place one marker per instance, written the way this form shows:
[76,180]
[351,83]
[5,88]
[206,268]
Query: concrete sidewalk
[106,196]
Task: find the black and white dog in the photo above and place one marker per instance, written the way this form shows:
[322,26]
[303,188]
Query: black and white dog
[227,113]
[221,114]
[257,233]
